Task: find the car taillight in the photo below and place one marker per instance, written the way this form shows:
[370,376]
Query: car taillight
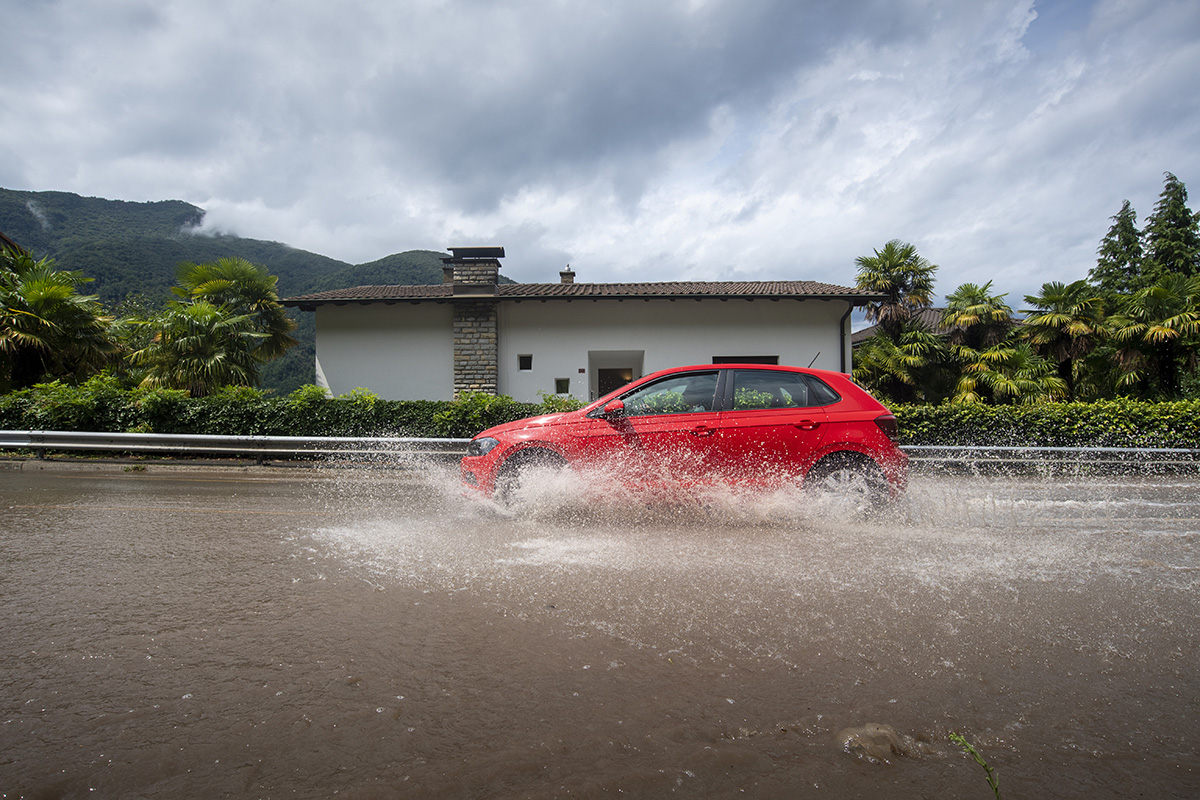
[887,423]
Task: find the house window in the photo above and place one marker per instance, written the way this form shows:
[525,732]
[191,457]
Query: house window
[562,385]
[525,363]
[745,359]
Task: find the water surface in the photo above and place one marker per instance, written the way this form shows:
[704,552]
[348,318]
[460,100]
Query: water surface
[373,634]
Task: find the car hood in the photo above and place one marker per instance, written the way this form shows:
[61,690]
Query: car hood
[544,421]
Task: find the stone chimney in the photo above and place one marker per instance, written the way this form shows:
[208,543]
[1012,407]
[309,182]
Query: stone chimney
[566,275]
[474,273]
[476,270]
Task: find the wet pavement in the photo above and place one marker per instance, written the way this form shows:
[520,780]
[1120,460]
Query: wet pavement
[370,633]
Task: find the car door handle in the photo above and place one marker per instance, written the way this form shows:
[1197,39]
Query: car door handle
[808,425]
[703,430]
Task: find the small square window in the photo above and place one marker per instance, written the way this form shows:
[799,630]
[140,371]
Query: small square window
[525,363]
[562,385]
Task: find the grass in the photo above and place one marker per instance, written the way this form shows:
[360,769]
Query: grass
[970,750]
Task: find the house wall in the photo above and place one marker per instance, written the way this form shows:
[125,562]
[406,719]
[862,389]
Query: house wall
[406,351]
[559,336]
[403,351]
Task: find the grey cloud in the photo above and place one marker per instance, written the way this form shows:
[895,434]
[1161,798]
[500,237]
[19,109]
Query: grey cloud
[600,93]
[628,137]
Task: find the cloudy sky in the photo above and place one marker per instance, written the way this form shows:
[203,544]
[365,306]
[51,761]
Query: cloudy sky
[633,139]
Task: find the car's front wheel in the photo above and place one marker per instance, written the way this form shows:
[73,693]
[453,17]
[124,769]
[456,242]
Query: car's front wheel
[848,483]
[520,468]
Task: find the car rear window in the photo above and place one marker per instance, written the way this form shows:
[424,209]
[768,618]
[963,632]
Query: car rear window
[820,393]
[764,389]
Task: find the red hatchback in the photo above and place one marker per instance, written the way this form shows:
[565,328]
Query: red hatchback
[744,424]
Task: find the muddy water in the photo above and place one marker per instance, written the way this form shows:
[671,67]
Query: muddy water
[371,634]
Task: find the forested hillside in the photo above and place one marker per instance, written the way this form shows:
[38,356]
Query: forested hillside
[134,249]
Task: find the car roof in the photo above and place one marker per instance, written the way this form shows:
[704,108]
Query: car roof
[774,367]
[830,375]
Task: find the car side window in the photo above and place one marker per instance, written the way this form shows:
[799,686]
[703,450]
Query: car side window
[680,394]
[820,393]
[763,389]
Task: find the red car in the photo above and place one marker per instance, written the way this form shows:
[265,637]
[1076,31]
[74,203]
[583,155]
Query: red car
[746,424]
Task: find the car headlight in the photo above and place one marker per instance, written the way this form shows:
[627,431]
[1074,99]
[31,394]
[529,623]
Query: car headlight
[481,446]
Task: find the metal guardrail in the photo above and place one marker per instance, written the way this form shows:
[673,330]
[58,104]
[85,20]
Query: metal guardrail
[259,447]
[968,457]
[988,457]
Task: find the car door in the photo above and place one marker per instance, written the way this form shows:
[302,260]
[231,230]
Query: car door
[771,428]
[666,432]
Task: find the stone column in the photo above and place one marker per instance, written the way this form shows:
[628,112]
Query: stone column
[475,272]
[476,355]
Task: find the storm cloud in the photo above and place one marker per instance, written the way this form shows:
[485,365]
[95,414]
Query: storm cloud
[682,139]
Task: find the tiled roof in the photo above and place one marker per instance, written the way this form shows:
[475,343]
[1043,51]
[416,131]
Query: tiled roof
[594,291]
[931,318]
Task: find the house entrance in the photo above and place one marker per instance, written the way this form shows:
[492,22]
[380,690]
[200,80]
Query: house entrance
[612,378]
[612,369]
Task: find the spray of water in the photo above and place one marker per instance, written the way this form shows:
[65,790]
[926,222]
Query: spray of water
[586,545]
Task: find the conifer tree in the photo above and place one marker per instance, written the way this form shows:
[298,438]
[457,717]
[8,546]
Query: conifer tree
[1118,269]
[1172,234]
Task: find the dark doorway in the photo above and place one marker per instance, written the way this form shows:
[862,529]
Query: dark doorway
[608,380]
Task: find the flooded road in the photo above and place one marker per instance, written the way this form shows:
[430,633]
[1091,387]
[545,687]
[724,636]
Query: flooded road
[299,633]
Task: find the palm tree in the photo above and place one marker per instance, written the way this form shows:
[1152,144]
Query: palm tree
[976,318]
[897,368]
[200,347]
[242,288]
[47,329]
[1069,321]
[904,276]
[1010,374]
[1159,327]
[977,324]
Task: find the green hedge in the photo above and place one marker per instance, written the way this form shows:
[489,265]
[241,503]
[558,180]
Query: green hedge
[1107,423]
[102,404]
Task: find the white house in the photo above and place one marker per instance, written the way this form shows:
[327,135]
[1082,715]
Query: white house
[471,333]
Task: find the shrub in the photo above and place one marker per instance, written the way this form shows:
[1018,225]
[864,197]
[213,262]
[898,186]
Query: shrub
[557,403]
[102,404]
[1106,423]
[476,411]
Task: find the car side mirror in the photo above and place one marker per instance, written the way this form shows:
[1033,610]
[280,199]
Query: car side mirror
[614,410]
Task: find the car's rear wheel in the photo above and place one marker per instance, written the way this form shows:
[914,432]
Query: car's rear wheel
[848,483]
[520,467]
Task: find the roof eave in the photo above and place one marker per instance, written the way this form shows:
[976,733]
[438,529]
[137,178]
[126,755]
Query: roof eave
[311,304]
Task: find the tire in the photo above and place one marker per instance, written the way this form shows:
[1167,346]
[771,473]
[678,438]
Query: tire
[849,484]
[518,468]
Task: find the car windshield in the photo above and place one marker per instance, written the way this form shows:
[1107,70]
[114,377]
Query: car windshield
[679,394]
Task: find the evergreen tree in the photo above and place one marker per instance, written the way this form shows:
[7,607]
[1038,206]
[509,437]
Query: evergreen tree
[1172,234]
[1118,269]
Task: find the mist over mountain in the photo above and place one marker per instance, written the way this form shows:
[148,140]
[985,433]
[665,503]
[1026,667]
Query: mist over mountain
[131,249]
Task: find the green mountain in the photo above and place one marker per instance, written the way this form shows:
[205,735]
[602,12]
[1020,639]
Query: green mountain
[131,249]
